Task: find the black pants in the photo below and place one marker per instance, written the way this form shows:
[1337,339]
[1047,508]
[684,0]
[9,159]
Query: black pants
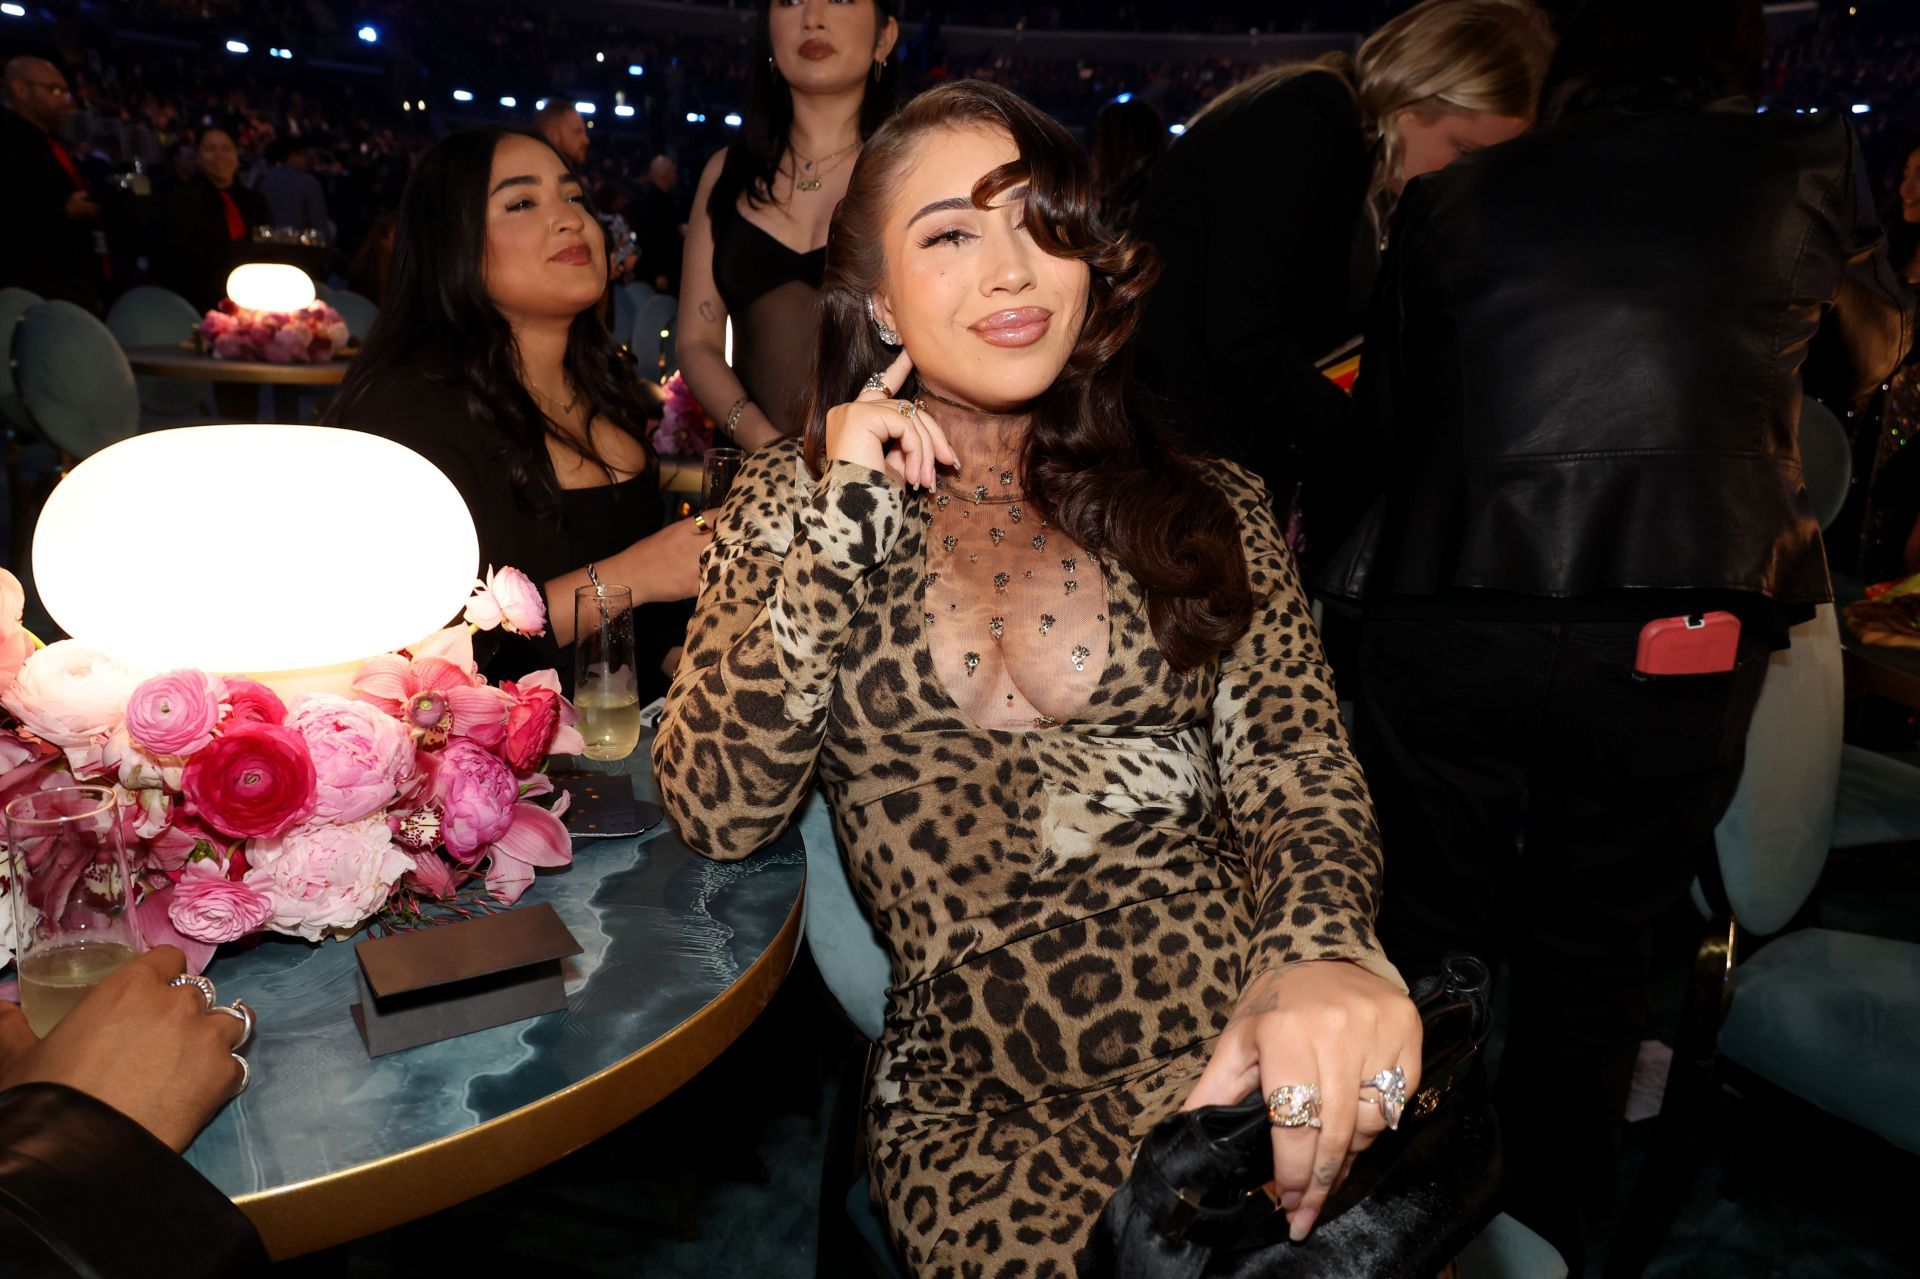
[1541,803]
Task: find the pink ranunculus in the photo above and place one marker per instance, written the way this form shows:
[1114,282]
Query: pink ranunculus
[255,782]
[71,696]
[508,598]
[175,713]
[326,879]
[475,793]
[541,723]
[157,929]
[362,757]
[16,646]
[207,906]
[251,702]
[535,837]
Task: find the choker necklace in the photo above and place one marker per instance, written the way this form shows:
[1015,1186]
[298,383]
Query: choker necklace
[813,180]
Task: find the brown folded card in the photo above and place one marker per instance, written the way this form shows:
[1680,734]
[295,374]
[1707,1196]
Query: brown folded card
[453,979]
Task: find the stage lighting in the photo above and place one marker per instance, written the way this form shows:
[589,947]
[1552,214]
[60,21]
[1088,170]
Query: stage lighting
[509,103]
[369,35]
[624,111]
[236,46]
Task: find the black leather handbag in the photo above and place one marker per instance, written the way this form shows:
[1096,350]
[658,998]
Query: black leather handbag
[1195,1205]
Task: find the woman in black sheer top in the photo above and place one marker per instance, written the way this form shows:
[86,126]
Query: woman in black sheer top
[491,361]
[822,82]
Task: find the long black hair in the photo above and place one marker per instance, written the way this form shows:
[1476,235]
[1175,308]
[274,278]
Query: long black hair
[753,159]
[438,320]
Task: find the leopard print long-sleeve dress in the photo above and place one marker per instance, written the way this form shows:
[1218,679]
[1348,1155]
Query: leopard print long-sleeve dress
[1071,912]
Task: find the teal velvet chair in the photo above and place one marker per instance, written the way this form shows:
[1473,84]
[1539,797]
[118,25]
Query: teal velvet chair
[854,966]
[13,305]
[626,309]
[357,310]
[150,316]
[658,315]
[74,379]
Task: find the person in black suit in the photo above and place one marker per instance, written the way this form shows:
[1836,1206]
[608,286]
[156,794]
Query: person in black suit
[658,226]
[48,222]
[205,226]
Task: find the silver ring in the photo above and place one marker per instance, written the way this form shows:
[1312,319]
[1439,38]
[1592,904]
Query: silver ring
[204,986]
[1390,1085]
[1294,1106]
[875,382]
[246,1074]
[238,1009]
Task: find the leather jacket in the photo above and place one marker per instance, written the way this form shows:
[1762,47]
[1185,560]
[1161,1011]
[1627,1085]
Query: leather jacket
[1583,367]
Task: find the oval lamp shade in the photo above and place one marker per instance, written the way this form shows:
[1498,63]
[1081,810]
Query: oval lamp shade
[254,549]
[270,286]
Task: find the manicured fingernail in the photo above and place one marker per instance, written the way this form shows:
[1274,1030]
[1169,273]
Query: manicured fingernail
[1291,1200]
[1299,1224]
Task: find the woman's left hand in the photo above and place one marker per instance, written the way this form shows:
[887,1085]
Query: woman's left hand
[1323,1022]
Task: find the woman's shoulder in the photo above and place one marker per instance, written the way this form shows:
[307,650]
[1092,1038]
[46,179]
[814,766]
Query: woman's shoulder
[406,398]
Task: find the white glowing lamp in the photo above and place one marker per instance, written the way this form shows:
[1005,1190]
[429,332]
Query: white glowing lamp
[270,286]
[288,553]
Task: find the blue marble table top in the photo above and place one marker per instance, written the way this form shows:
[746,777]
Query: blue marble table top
[665,933]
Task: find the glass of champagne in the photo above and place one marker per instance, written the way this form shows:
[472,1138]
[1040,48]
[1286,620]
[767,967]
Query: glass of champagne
[606,684]
[70,897]
[716,478]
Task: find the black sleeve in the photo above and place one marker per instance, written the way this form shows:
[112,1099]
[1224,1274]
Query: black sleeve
[1870,326]
[70,1164]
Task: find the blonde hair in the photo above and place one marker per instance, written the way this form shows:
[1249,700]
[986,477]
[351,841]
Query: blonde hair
[1437,57]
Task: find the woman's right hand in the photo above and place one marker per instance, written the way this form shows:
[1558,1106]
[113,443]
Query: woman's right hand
[184,1072]
[666,565]
[874,432]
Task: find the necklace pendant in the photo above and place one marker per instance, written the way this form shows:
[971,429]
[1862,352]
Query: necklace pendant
[808,184]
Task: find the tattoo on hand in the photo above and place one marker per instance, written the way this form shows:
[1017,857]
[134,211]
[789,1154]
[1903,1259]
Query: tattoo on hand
[1259,997]
[708,314]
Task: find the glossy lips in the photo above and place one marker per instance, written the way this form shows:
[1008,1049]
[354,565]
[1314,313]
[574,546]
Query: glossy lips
[573,255]
[1022,326]
[817,50]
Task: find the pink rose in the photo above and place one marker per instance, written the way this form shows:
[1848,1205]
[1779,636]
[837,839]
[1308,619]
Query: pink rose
[508,598]
[475,793]
[252,703]
[207,906]
[175,713]
[362,756]
[541,722]
[324,879]
[71,696]
[255,782]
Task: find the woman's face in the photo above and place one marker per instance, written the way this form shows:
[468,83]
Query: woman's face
[1431,140]
[1910,188]
[545,256]
[219,158]
[828,46]
[988,316]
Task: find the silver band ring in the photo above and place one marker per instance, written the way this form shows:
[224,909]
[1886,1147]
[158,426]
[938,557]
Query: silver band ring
[246,1074]
[244,1014]
[1390,1089]
[1294,1106]
[200,983]
[875,382]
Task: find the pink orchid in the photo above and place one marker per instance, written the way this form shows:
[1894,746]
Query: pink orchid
[433,875]
[156,929]
[392,680]
[537,838]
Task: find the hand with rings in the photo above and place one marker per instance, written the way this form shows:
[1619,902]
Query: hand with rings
[881,432]
[150,1011]
[1315,1038]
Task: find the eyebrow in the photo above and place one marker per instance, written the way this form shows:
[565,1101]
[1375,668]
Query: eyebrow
[956,202]
[529,180]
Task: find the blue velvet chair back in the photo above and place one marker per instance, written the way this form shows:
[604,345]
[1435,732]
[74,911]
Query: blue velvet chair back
[357,310]
[13,305]
[658,314]
[1826,459]
[149,316]
[845,950]
[74,380]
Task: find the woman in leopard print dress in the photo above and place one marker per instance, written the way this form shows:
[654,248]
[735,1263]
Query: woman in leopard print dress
[1067,704]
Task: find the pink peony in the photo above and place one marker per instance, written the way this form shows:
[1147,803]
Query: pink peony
[73,697]
[255,782]
[362,757]
[252,703]
[327,879]
[175,713]
[475,793]
[207,906]
[508,598]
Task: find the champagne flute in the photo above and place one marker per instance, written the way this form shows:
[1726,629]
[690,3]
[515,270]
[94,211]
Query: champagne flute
[716,478]
[70,897]
[606,682]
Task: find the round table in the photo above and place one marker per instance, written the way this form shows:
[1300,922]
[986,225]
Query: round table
[183,362]
[681,954]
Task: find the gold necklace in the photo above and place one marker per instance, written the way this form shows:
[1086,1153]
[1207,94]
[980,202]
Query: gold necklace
[813,182]
[564,408]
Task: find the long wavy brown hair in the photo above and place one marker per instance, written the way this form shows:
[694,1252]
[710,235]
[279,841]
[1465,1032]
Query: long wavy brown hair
[1097,464]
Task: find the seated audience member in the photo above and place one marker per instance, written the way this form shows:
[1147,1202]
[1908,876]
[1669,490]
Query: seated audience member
[1067,703]
[204,227]
[1583,383]
[84,1132]
[48,221]
[489,359]
[294,196]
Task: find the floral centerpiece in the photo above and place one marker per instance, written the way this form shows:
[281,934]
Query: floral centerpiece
[245,814]
[310,335]
[685,430]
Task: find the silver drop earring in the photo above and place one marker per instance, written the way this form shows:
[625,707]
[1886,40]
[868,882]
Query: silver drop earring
[889,336]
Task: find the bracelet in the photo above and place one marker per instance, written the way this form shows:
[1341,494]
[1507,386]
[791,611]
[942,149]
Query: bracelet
[733,414]
[595,579]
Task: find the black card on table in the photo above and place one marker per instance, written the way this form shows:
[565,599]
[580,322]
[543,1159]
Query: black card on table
[603,807]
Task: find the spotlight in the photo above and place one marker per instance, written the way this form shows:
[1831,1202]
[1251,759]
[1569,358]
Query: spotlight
[731,119]
[624,111]
[237,46]
[368,35]
[1861,108]
[541,105]
[1176,129]
[599,57]
[585,108]
[14,10]
[693,117]
[509,103]
[461,95]
[635,68]
[1123,98]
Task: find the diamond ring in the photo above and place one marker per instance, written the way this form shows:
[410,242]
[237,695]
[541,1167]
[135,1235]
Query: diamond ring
[1294,1106]
[1390,1085]
[875,382]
